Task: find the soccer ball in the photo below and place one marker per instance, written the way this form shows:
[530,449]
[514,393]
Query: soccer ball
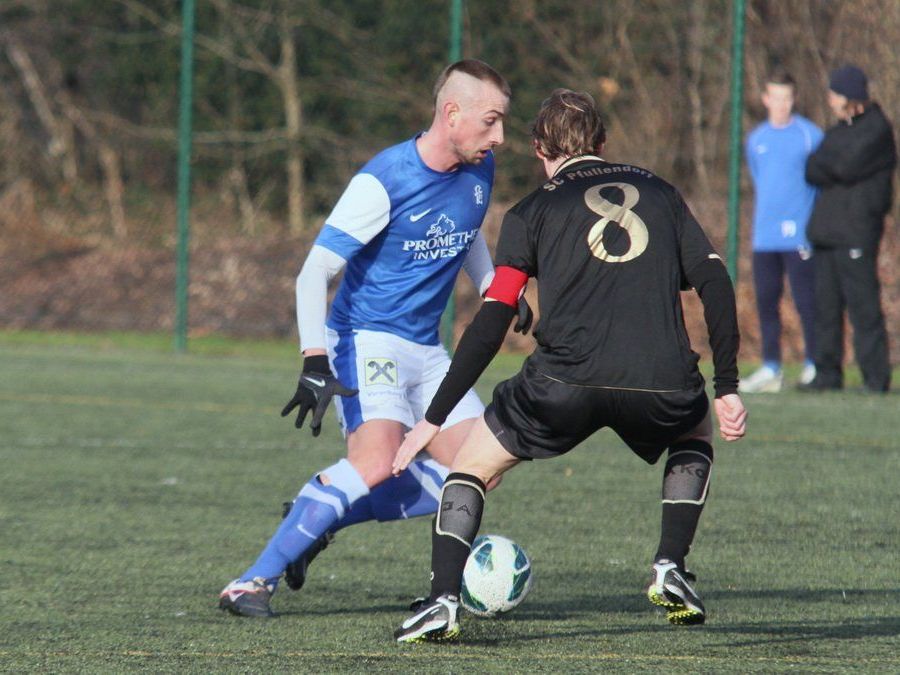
[497,576]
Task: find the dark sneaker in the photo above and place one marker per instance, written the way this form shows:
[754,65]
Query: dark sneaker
[818,384]
[434,622]
[418,604]
[295,574]
[247,598]
[670,588]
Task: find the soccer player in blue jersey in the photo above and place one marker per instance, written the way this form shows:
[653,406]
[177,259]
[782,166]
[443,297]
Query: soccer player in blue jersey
[401,231]
[777,151]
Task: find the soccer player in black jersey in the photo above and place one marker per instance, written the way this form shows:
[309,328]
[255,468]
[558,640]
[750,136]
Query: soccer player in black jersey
[611,247]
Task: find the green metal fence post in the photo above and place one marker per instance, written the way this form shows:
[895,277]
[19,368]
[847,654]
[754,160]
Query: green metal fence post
[455,30]
[184,173]
[734,167]
[448,320]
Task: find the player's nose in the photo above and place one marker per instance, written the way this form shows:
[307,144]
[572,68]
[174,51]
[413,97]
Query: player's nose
[497,136]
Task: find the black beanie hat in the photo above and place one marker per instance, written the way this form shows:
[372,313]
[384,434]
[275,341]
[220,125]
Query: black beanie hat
[849,81]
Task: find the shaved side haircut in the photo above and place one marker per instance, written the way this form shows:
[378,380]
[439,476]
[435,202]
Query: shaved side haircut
[474,68]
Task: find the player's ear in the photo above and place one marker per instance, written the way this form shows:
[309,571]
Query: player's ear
[451,112]
[537,149]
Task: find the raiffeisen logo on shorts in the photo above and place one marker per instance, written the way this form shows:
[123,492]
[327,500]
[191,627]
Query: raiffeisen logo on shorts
[441,241]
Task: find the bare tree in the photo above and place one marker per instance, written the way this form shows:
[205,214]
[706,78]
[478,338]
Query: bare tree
[110,163]
[61,143]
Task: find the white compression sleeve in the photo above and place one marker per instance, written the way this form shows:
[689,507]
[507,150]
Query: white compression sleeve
[321,266]
[478,264]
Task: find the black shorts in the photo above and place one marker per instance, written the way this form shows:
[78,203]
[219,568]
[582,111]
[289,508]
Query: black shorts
[534,416]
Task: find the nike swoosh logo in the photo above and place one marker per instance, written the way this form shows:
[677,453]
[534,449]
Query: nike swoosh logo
[415,217]
[314,380]
[306,532]
[421,615]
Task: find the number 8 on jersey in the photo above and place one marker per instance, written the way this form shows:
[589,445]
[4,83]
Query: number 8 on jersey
[618,213]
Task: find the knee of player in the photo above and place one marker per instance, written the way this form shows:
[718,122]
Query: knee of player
[493,482]
[488,475]
[697,446]
[703,432]
[373,475]
[372,471]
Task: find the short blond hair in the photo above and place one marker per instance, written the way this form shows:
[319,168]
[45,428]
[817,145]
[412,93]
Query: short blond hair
[567,125]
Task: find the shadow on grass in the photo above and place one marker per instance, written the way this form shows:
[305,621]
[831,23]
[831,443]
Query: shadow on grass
[567,607]
[802,631]
[587,605]
[286,609]
[770,631]
[758,634]
[636,602]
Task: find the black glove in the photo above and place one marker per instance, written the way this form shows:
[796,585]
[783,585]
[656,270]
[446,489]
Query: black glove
[316,388]
[525,316]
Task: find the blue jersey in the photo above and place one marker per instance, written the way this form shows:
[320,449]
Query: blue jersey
[404,230]
[784,200]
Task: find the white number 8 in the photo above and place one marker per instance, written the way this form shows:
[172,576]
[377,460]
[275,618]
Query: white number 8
[616,213]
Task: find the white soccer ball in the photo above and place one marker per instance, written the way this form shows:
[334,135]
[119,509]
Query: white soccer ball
[497,576]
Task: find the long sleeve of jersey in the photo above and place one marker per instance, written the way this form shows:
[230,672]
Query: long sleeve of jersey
[713,285]
[321,266]
[478,264]
[702,269]
[359,215]
[479,344]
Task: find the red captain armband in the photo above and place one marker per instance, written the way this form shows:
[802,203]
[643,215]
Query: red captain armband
[507,285]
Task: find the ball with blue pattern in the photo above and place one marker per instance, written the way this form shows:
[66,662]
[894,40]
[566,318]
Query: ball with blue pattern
[497,576]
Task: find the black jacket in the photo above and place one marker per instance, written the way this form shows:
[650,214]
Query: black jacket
[853,167]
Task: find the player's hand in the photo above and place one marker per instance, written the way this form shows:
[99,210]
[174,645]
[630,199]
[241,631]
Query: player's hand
[316,388]
[732,417]
[524,316]
[419,436]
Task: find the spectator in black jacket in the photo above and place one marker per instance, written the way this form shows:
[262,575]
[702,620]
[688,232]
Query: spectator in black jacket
[853,167]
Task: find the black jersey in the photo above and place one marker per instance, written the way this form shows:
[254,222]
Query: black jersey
[610,246]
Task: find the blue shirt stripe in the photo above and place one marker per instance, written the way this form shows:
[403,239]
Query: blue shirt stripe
[338,241]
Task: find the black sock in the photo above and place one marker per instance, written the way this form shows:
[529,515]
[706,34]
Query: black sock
[453,530]
[685,485]
[679,523]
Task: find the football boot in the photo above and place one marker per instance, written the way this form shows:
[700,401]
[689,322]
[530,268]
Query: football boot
[435,621]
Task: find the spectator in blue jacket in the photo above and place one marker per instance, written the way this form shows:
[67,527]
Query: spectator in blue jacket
[777,151]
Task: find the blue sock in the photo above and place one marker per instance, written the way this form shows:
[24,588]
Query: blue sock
[316,509]
[415,492]
[774,365]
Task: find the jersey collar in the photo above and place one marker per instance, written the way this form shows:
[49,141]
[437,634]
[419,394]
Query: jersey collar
[574,160]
